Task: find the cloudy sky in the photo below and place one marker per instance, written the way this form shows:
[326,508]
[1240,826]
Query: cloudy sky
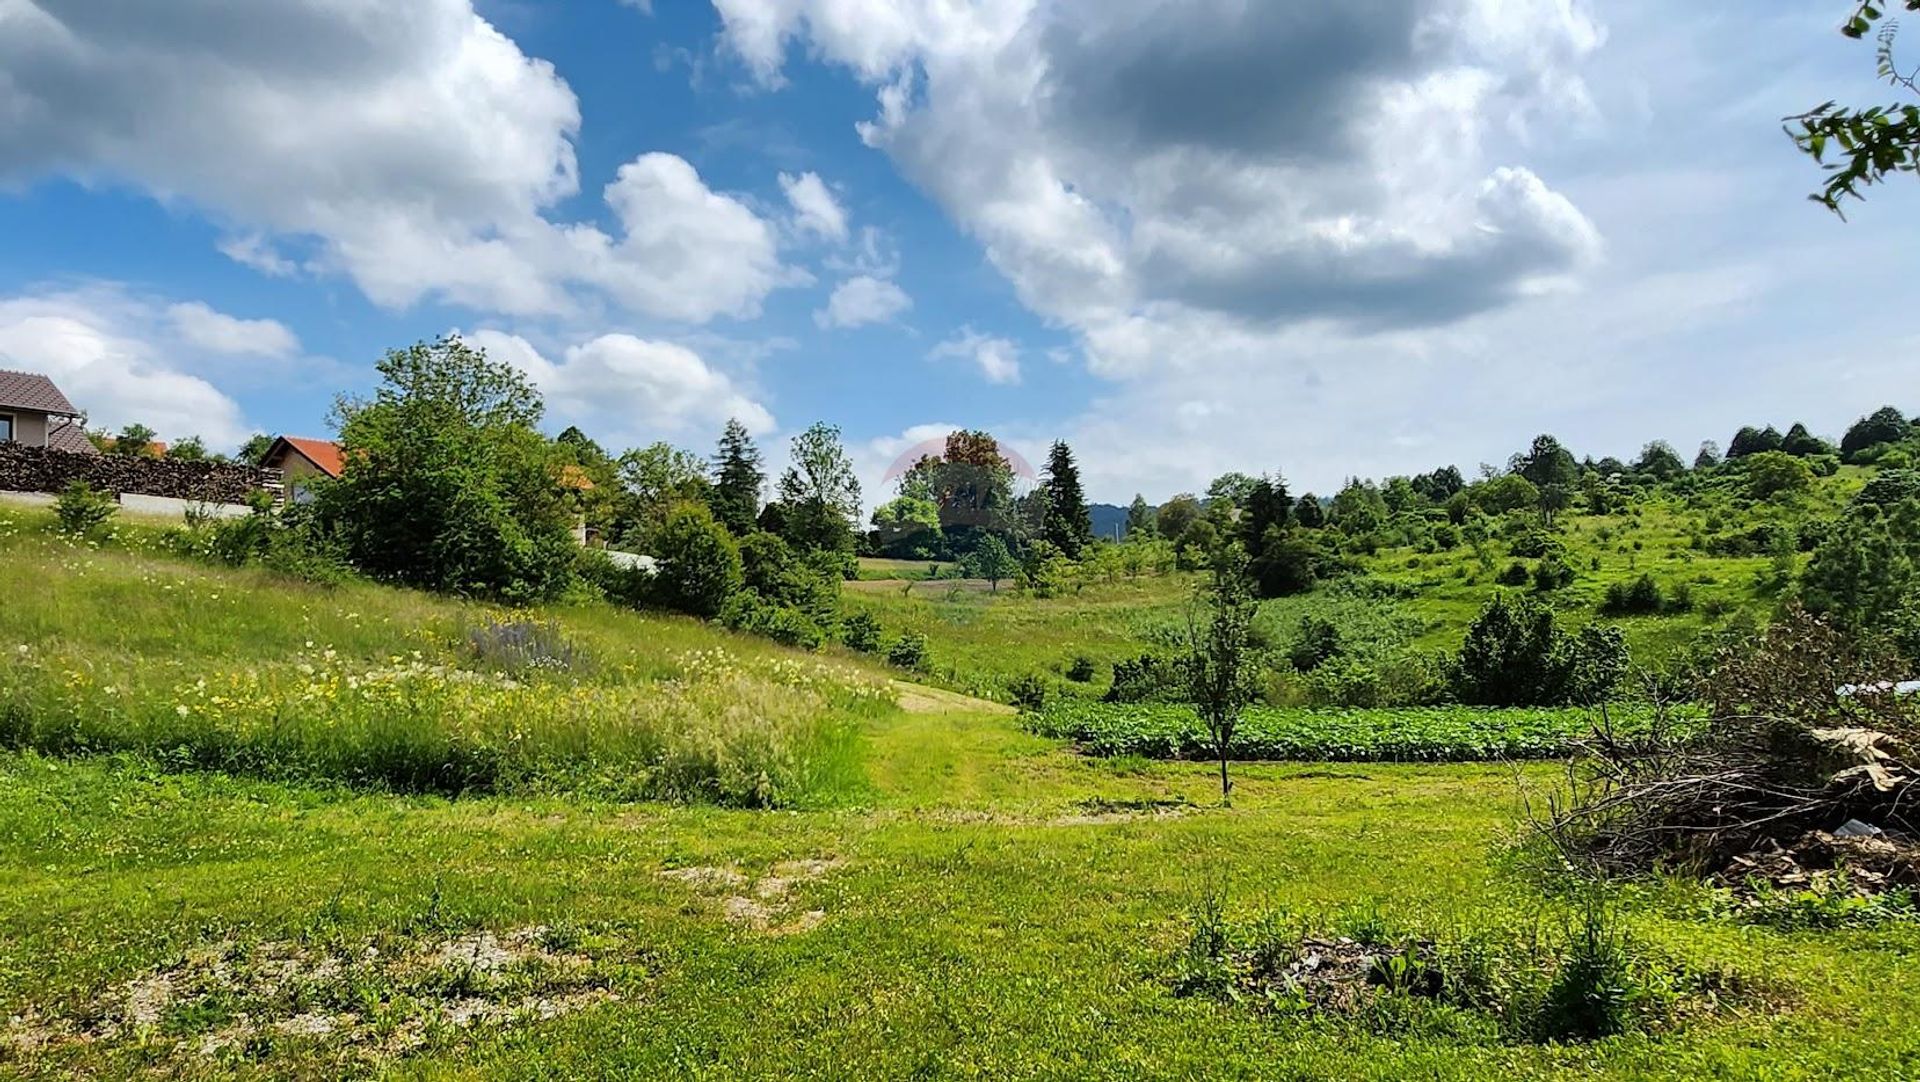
[1187,236]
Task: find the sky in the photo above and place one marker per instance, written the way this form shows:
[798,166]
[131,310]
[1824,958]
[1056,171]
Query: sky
[1185,236]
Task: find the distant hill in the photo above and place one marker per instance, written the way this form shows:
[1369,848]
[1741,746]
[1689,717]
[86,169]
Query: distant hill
[1109,520]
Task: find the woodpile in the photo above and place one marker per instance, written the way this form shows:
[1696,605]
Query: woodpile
[41,469]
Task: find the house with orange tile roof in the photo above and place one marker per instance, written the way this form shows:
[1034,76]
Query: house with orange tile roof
[300,459]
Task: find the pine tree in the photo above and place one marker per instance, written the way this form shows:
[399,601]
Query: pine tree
[1068,524]
[737,480]
[1139,518]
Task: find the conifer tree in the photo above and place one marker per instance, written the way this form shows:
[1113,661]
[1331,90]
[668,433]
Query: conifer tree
[737,480]
[1068,525]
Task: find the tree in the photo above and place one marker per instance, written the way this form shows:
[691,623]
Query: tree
[448,483]
[1440,485]
[1508,492]
[1874,142]
[1140,519]
[652,481]
[1220,661]
[255,449]
[1753,441]
[1776,473]
[1266,511]
[1231,489]
[1660,461]
[971,483]
[1358,507]
[989,560]
[699,562]
[1177,515]
[1865,574]
[135,440]
[1884,425]
[1801,443]
[820,492]
[1066,523]
[1552,471]
[191,449]
[1309,513]
[908,527]
[1709,456]
[737,480]
[1288,563]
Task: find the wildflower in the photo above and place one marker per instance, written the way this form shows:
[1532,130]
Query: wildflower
[180,709]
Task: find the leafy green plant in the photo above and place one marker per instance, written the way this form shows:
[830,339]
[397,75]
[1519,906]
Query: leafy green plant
[908,651]
[81,509]
[1392,734]
[861,632]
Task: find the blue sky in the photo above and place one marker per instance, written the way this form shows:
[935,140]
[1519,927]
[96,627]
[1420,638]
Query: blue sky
[1186,237]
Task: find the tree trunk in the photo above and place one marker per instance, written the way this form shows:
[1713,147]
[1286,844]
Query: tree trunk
[1226,785]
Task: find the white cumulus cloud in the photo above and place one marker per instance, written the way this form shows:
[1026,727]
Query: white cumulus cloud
[120,359]
[861,300]
[411,147]
[202,326]
[627,391]
[998,359]
[815,210]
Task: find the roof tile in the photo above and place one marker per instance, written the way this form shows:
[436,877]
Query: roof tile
[32,391]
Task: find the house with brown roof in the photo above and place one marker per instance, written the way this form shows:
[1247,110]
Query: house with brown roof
[303,460]
[34,412]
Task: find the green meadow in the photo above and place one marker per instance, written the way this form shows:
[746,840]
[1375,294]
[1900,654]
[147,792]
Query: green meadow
[648,848]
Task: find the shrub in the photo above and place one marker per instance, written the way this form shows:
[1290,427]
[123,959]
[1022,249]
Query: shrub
[1889,487]
[1149,678]
[1535,544]
[1318,641]
[810,584]
[1344,681]
[1081,669]
[1776,473]
[749,613]
[1516,574]
[699,563]
[1516,655]
[1641,597]
[1552,574]
[909,651]
[1030,691]
[82,509]
[629,586]
[861,632]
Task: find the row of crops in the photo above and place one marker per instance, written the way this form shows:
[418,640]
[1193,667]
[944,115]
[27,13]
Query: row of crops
[1410,734]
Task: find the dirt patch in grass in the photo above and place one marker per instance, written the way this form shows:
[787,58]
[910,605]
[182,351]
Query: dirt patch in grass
[363,1003]
[921,699]
[1099,810]
[766,903]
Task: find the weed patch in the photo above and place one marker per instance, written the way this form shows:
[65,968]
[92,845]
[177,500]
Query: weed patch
[354,1004]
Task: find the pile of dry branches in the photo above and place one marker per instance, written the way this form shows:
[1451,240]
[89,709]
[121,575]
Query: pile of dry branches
[1808,733]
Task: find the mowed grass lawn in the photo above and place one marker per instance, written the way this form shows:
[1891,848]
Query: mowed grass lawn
[988,914]
[958,899]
